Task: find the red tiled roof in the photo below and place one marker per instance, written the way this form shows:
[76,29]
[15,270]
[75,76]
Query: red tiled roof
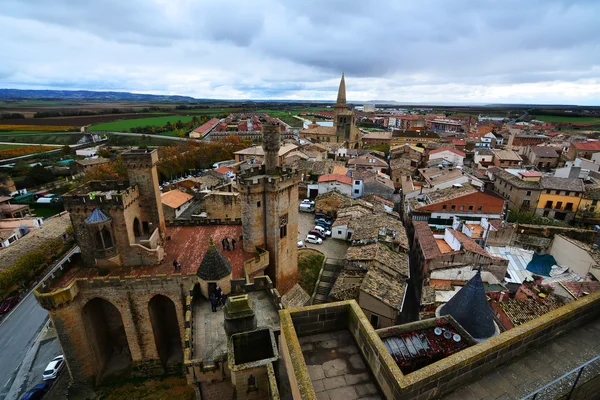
[460,153]
[175,198]
[459,142]
[530,173]
[426,240]
[187,245]
[207,126]
[586,145]
[224,170]
[336,177]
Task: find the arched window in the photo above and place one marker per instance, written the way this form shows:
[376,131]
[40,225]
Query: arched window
[98,240]
[107,237]
[137,231]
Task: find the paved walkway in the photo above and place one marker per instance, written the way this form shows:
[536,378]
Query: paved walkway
[336,368]
[210,338]
[537,368]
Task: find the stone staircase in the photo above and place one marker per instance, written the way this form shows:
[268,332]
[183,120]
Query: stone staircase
[331,270]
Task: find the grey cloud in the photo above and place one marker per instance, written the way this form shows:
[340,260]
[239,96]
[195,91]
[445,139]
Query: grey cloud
[281,47]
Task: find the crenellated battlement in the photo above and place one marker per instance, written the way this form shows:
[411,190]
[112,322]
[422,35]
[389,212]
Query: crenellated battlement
[60,297]
[140,158]
[257,176]
[101,195]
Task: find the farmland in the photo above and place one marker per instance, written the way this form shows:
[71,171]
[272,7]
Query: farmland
[16,151]
[9,146]
[569,120]
[37,138]
[45,128]
[127,124]
[77,121]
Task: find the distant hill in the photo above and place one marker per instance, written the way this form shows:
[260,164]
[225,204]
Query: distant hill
[88,95]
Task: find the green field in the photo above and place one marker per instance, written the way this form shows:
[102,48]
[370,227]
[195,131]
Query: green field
[9,146]
[126,124]
[571,120]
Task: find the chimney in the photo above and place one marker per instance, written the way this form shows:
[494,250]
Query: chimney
[270,143]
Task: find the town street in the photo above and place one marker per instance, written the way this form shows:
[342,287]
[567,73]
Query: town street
[18,330]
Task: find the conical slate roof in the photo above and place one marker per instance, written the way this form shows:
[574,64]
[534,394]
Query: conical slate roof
[469,307]
[214,265]
[341,97]
[97,216]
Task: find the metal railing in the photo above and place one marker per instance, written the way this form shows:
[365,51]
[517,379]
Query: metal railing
[565,385]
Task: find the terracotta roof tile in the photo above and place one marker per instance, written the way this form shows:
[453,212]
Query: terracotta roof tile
[175,198]
[336,177]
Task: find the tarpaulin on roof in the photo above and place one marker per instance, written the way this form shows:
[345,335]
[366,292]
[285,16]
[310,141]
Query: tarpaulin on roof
[541,264]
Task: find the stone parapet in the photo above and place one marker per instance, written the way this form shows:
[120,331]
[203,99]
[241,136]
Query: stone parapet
[56,298]
[434,380]
[90,198]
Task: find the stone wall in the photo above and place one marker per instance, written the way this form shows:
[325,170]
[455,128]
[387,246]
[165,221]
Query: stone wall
[497,267]
[432,381]
[222,206]
[131,298]
[142,171]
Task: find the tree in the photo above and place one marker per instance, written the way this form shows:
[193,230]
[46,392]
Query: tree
[104,152]
[112,171]
[40,175]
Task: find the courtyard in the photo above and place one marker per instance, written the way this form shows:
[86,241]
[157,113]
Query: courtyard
[332,248]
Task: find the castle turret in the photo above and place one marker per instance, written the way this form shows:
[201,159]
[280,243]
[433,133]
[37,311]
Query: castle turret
[269,199]
[142,171]
[270,142]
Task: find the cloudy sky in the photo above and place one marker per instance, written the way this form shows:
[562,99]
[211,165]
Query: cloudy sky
[473,51]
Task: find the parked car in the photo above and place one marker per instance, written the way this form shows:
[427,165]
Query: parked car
[317,233]
[36,392]
[306,207]
[9,304]
[54,368]
[323,221]
[313,239]
[308,201]
[324,230]
[320,215]
[300,243]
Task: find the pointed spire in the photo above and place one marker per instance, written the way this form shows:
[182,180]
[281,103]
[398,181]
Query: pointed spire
[469,307]
[341,97]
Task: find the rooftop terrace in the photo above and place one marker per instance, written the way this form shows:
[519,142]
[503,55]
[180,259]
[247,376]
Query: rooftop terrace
[187,244]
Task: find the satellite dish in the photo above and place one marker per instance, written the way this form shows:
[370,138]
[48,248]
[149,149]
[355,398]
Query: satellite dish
[447,335]
[456,337]
[437,331]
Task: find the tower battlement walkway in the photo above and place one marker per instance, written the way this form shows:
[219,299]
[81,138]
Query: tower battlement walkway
[545,365]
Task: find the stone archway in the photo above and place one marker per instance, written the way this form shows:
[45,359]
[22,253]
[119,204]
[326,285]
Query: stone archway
[163,316]
[107,338]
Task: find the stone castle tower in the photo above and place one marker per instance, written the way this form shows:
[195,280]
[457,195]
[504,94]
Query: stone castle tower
[120,223]
[269,198]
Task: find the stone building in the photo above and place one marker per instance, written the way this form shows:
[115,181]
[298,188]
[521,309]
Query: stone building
[269,203]
[122,308]
[344,130]
[120,223]
[520,188]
